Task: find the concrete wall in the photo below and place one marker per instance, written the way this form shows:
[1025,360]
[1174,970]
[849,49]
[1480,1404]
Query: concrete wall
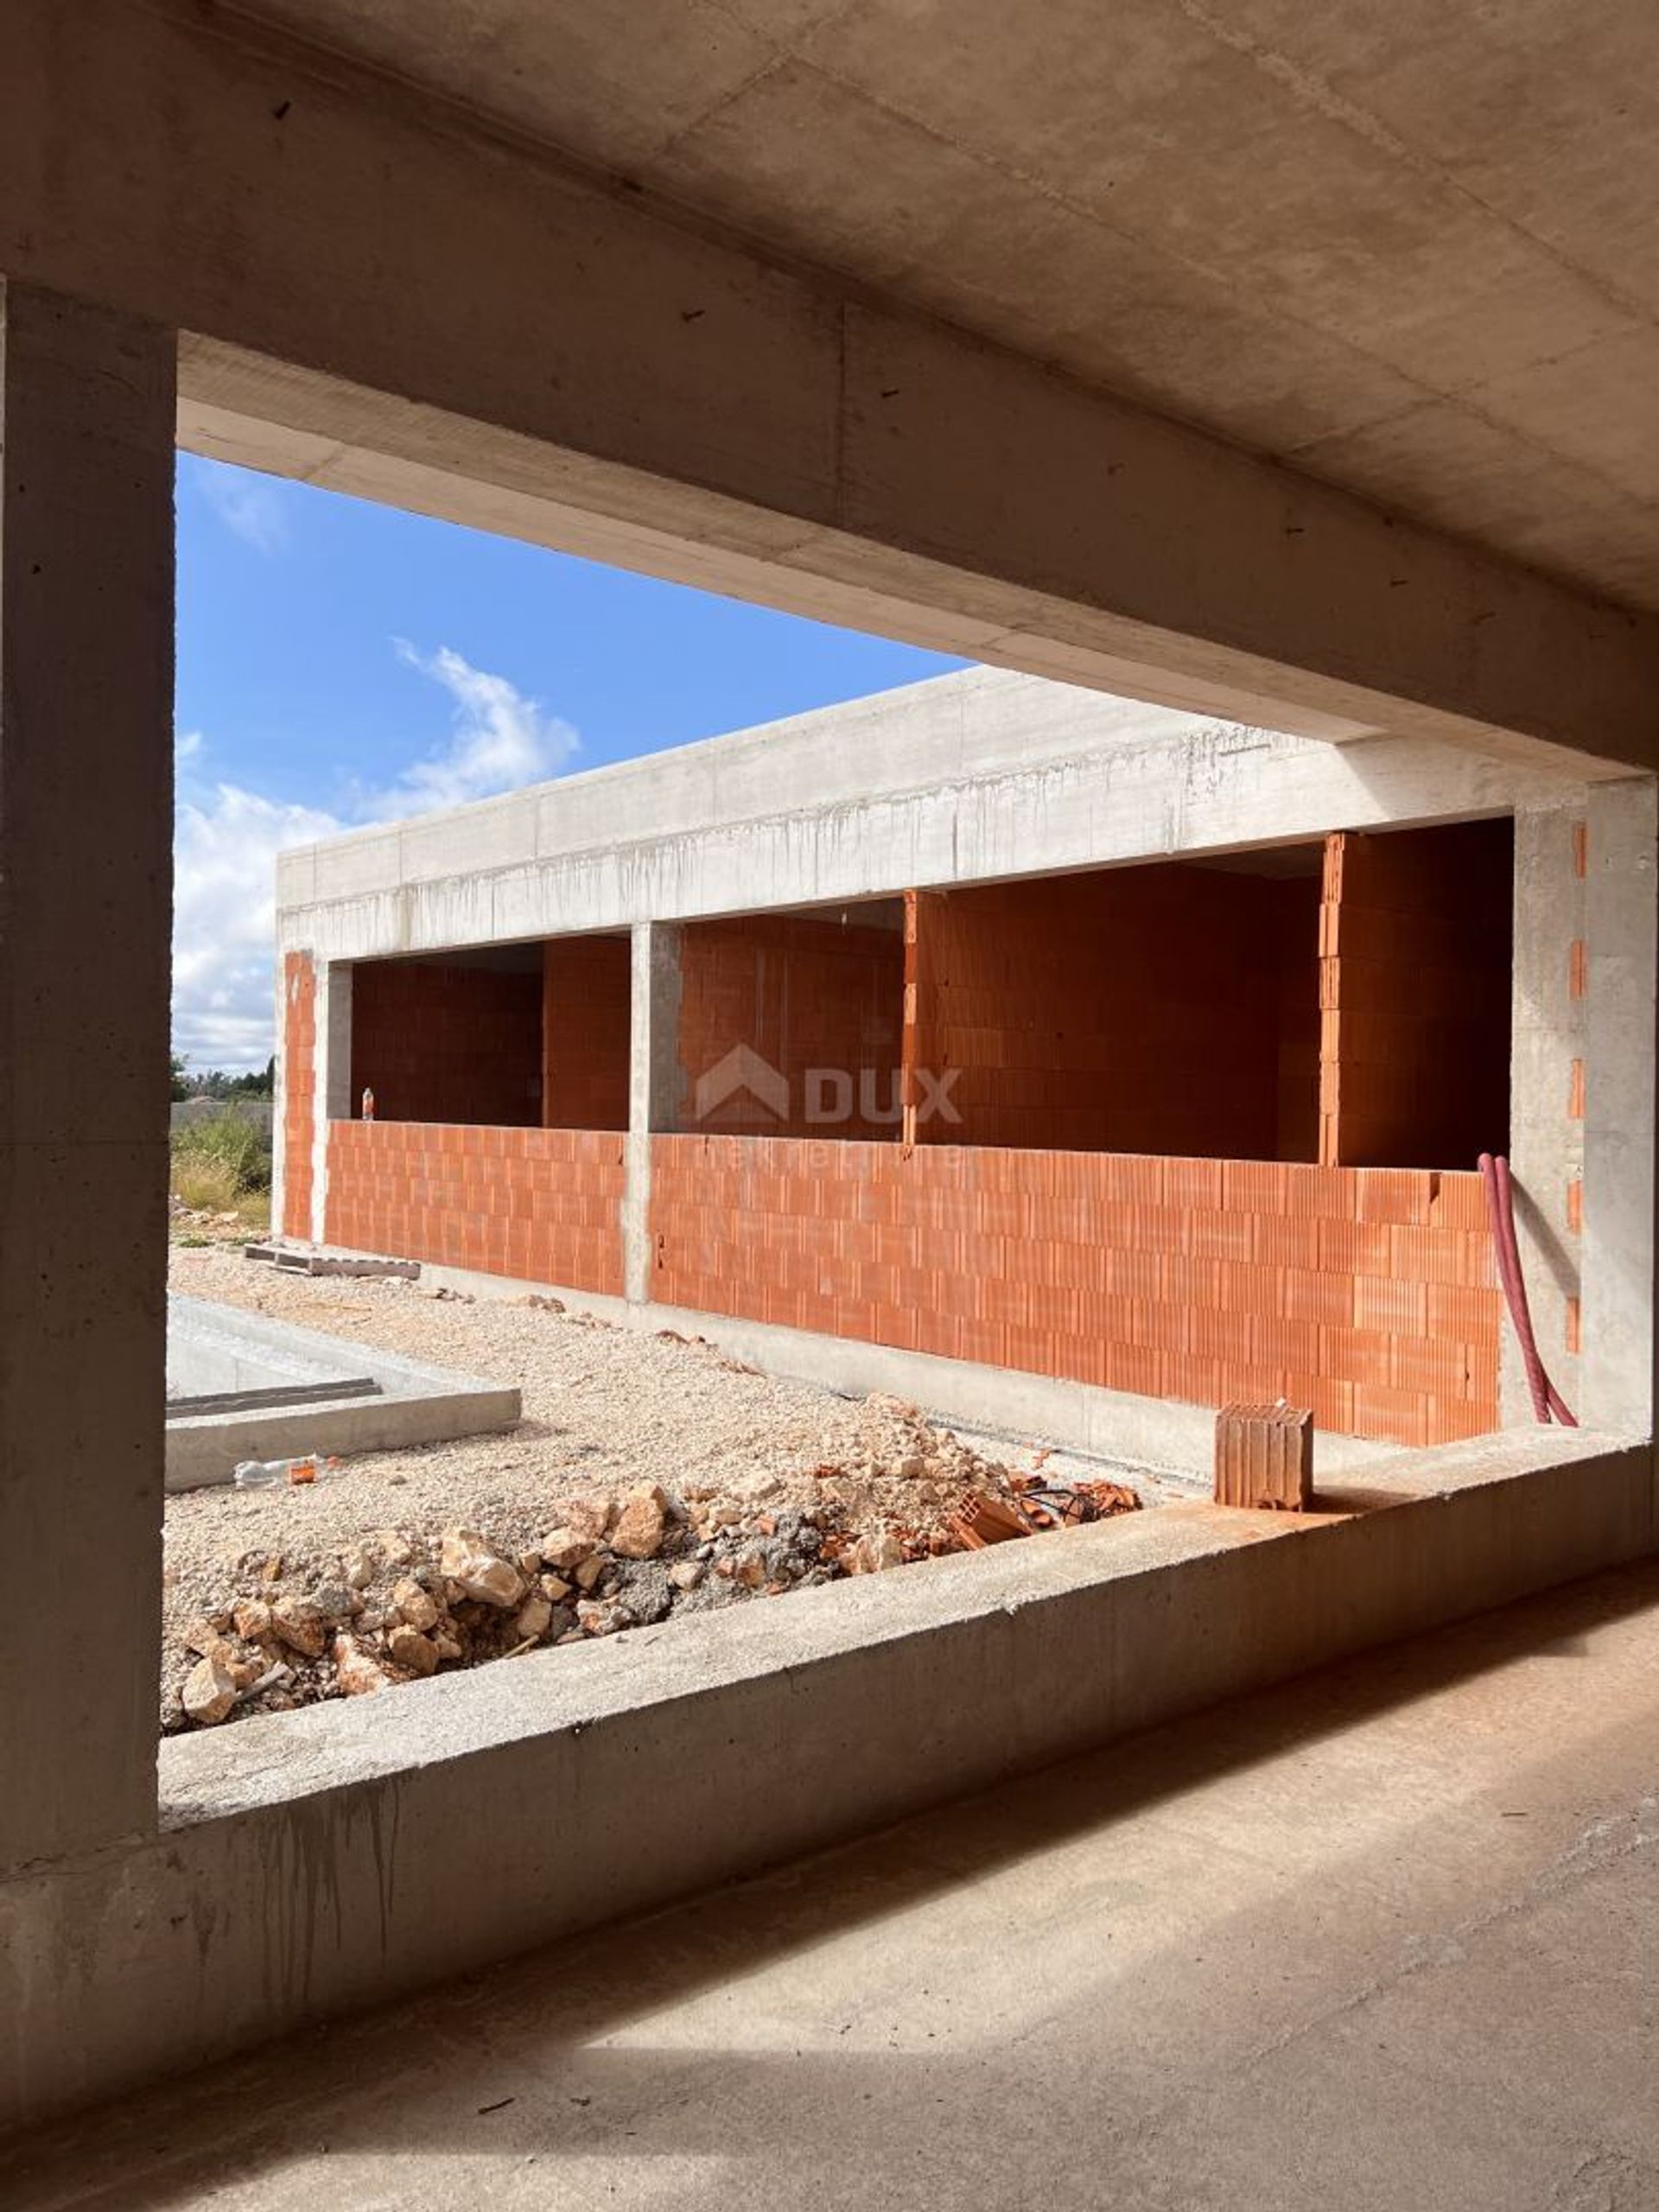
[330,1859]
[85,727]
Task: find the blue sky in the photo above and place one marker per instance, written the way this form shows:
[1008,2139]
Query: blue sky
[341,662]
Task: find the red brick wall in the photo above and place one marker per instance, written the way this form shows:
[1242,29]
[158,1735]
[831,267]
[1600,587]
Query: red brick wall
[803,993]
[440,1041]
[1416,945]
[1132,1010]
[540,1205]
[587,1002]
[299,1090]
[1366,1294]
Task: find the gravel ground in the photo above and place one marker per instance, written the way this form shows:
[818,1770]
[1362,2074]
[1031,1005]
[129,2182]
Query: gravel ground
[606,1410]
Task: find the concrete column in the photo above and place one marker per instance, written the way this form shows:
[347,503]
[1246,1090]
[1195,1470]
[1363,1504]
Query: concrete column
[86,430]
[1621,848]
[333,1097]
[654,1081]
[1546,1133]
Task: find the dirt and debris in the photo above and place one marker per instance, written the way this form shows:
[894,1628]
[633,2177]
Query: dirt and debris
[651,1476]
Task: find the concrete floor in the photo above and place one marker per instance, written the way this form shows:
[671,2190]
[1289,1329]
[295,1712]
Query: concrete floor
[1384,1939]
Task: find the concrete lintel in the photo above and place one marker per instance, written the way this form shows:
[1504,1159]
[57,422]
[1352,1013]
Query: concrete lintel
[722,416]
[318,1861]
[922,786]
[86,401]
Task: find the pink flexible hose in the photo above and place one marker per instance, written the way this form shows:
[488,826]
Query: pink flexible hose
[1547,1402]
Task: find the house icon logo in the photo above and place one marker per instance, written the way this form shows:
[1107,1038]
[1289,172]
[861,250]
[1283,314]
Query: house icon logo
[741,1075]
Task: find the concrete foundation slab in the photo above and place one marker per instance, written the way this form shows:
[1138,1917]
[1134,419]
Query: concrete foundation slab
[282,1391]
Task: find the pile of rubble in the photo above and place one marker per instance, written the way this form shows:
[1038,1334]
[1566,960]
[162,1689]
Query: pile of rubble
[287,1629]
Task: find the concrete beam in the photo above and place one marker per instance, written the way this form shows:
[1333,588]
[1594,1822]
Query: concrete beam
[620,379]
[86,403]
[922,786]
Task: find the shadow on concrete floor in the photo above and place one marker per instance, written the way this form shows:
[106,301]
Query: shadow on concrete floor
[1012,1999]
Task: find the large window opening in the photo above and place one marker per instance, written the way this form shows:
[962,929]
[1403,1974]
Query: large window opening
[1416,968]
[1167,1008]
[792,1024]
[587,999]
[455,1037]
[510,1036]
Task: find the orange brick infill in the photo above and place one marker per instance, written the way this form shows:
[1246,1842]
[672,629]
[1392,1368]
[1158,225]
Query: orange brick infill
[540,1206]
[1078,1266]
[299,1090]
[1577,968]
[1575,1091]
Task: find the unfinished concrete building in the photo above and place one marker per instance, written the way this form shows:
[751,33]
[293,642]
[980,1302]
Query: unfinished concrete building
[1293,370]
[1128,1062]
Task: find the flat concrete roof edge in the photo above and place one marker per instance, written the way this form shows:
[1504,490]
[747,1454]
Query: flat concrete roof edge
[802,729]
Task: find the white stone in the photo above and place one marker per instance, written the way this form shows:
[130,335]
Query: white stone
[565,1548]
[479,1571]
[417,1606]
[210,1691]
[532,1619]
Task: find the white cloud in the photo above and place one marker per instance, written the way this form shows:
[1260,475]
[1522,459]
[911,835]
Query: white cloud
[500,742]
[227,837]
[254,507]
[226,843]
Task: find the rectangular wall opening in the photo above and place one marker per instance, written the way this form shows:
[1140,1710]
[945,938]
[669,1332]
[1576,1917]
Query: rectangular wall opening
[792,1024]
[587,1002]
[1416,974]
[455,1038]
[1170,1008]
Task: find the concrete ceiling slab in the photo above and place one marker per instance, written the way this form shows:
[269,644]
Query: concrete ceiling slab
[1407,250]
